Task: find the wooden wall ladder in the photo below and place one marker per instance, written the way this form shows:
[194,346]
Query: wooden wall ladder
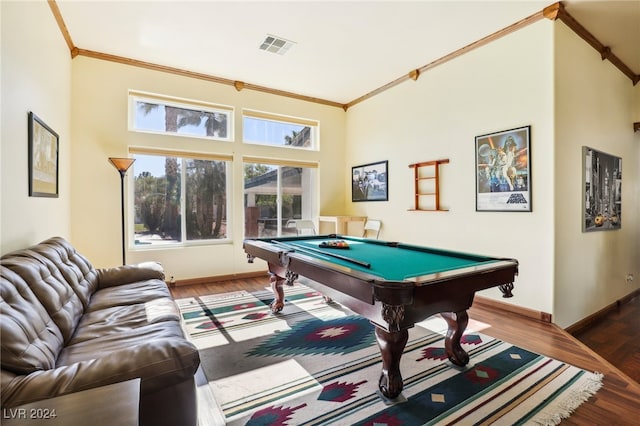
[418,177]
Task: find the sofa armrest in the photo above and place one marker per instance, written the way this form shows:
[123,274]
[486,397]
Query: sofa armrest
[126,274]
[159,364]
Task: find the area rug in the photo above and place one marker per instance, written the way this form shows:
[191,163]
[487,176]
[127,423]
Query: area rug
[317,363]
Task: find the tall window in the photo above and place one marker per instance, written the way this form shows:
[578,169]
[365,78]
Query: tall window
[276,130]
[276,195]
[179,199]
[163,114]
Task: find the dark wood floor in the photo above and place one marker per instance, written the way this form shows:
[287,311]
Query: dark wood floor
[610,347]
[616,337]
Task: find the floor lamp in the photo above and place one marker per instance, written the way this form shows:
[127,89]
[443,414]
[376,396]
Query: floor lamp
[122,165]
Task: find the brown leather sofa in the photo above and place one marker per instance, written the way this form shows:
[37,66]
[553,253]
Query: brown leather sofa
[67,326]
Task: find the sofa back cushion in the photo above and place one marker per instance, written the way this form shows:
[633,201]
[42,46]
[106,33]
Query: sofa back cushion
[76,270]
[49,287]
[29,338]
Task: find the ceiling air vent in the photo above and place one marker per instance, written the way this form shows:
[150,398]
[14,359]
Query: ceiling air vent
[276,44]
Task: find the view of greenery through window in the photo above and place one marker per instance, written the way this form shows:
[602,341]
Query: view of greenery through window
[160,205]
[153,116]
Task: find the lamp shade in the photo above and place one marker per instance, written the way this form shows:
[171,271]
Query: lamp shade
[122,164]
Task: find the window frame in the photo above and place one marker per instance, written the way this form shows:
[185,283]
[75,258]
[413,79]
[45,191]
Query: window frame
[183,155]
[135,96]
[314,126]
[280,163]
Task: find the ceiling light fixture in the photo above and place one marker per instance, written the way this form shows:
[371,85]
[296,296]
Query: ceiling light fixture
[275,44]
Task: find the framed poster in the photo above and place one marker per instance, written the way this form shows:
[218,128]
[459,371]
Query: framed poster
[602,189]
[43,159]
[503,171]
[369,182]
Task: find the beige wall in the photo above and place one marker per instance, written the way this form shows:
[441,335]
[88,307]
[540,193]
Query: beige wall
[100,126]
[594,107]
[36,76]
[503,85]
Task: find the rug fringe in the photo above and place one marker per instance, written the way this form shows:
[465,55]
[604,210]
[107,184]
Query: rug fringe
[569,404]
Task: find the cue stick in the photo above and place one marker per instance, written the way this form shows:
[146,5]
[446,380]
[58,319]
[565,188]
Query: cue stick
[316,251]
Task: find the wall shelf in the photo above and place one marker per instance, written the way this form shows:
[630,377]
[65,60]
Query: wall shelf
[434,187]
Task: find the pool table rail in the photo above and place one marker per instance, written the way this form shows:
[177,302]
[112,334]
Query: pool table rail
[349,280]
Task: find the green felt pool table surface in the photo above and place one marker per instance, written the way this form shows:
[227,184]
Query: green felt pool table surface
[390,261]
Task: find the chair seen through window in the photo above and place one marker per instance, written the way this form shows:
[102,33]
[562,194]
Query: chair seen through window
[372,227]
[305,226]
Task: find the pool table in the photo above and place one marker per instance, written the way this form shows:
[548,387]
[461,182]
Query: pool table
[394,285]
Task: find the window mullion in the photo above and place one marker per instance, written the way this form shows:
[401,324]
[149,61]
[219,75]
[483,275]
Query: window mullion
[279,201]
[183,198]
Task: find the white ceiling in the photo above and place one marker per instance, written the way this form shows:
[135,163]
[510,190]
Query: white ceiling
[343,50]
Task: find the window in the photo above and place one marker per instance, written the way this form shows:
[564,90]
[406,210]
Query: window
[275,130]
[179,198]
[277,194]
[163,114]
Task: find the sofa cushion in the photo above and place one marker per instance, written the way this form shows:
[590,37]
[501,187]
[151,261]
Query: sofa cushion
[126,274]
[56,295]
[161,362]
[122,319]
[115,342]
[158,353]
[74,267]
[30,339]
[129,294]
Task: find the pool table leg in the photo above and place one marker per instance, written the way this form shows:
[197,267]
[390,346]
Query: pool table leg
[276,286]
[391,347]
[276,279]
[457,323]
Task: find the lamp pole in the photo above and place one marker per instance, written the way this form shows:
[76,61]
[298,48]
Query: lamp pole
[122,165]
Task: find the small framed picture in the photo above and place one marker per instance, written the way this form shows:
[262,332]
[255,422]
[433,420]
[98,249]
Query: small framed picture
[503,171]
[369,182]
[43,159]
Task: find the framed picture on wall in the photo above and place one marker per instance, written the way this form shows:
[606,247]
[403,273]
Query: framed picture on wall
[43,159]
[503,171]
[369,182]
[602,189]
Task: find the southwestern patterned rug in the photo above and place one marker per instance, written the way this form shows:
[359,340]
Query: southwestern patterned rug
[318,363]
